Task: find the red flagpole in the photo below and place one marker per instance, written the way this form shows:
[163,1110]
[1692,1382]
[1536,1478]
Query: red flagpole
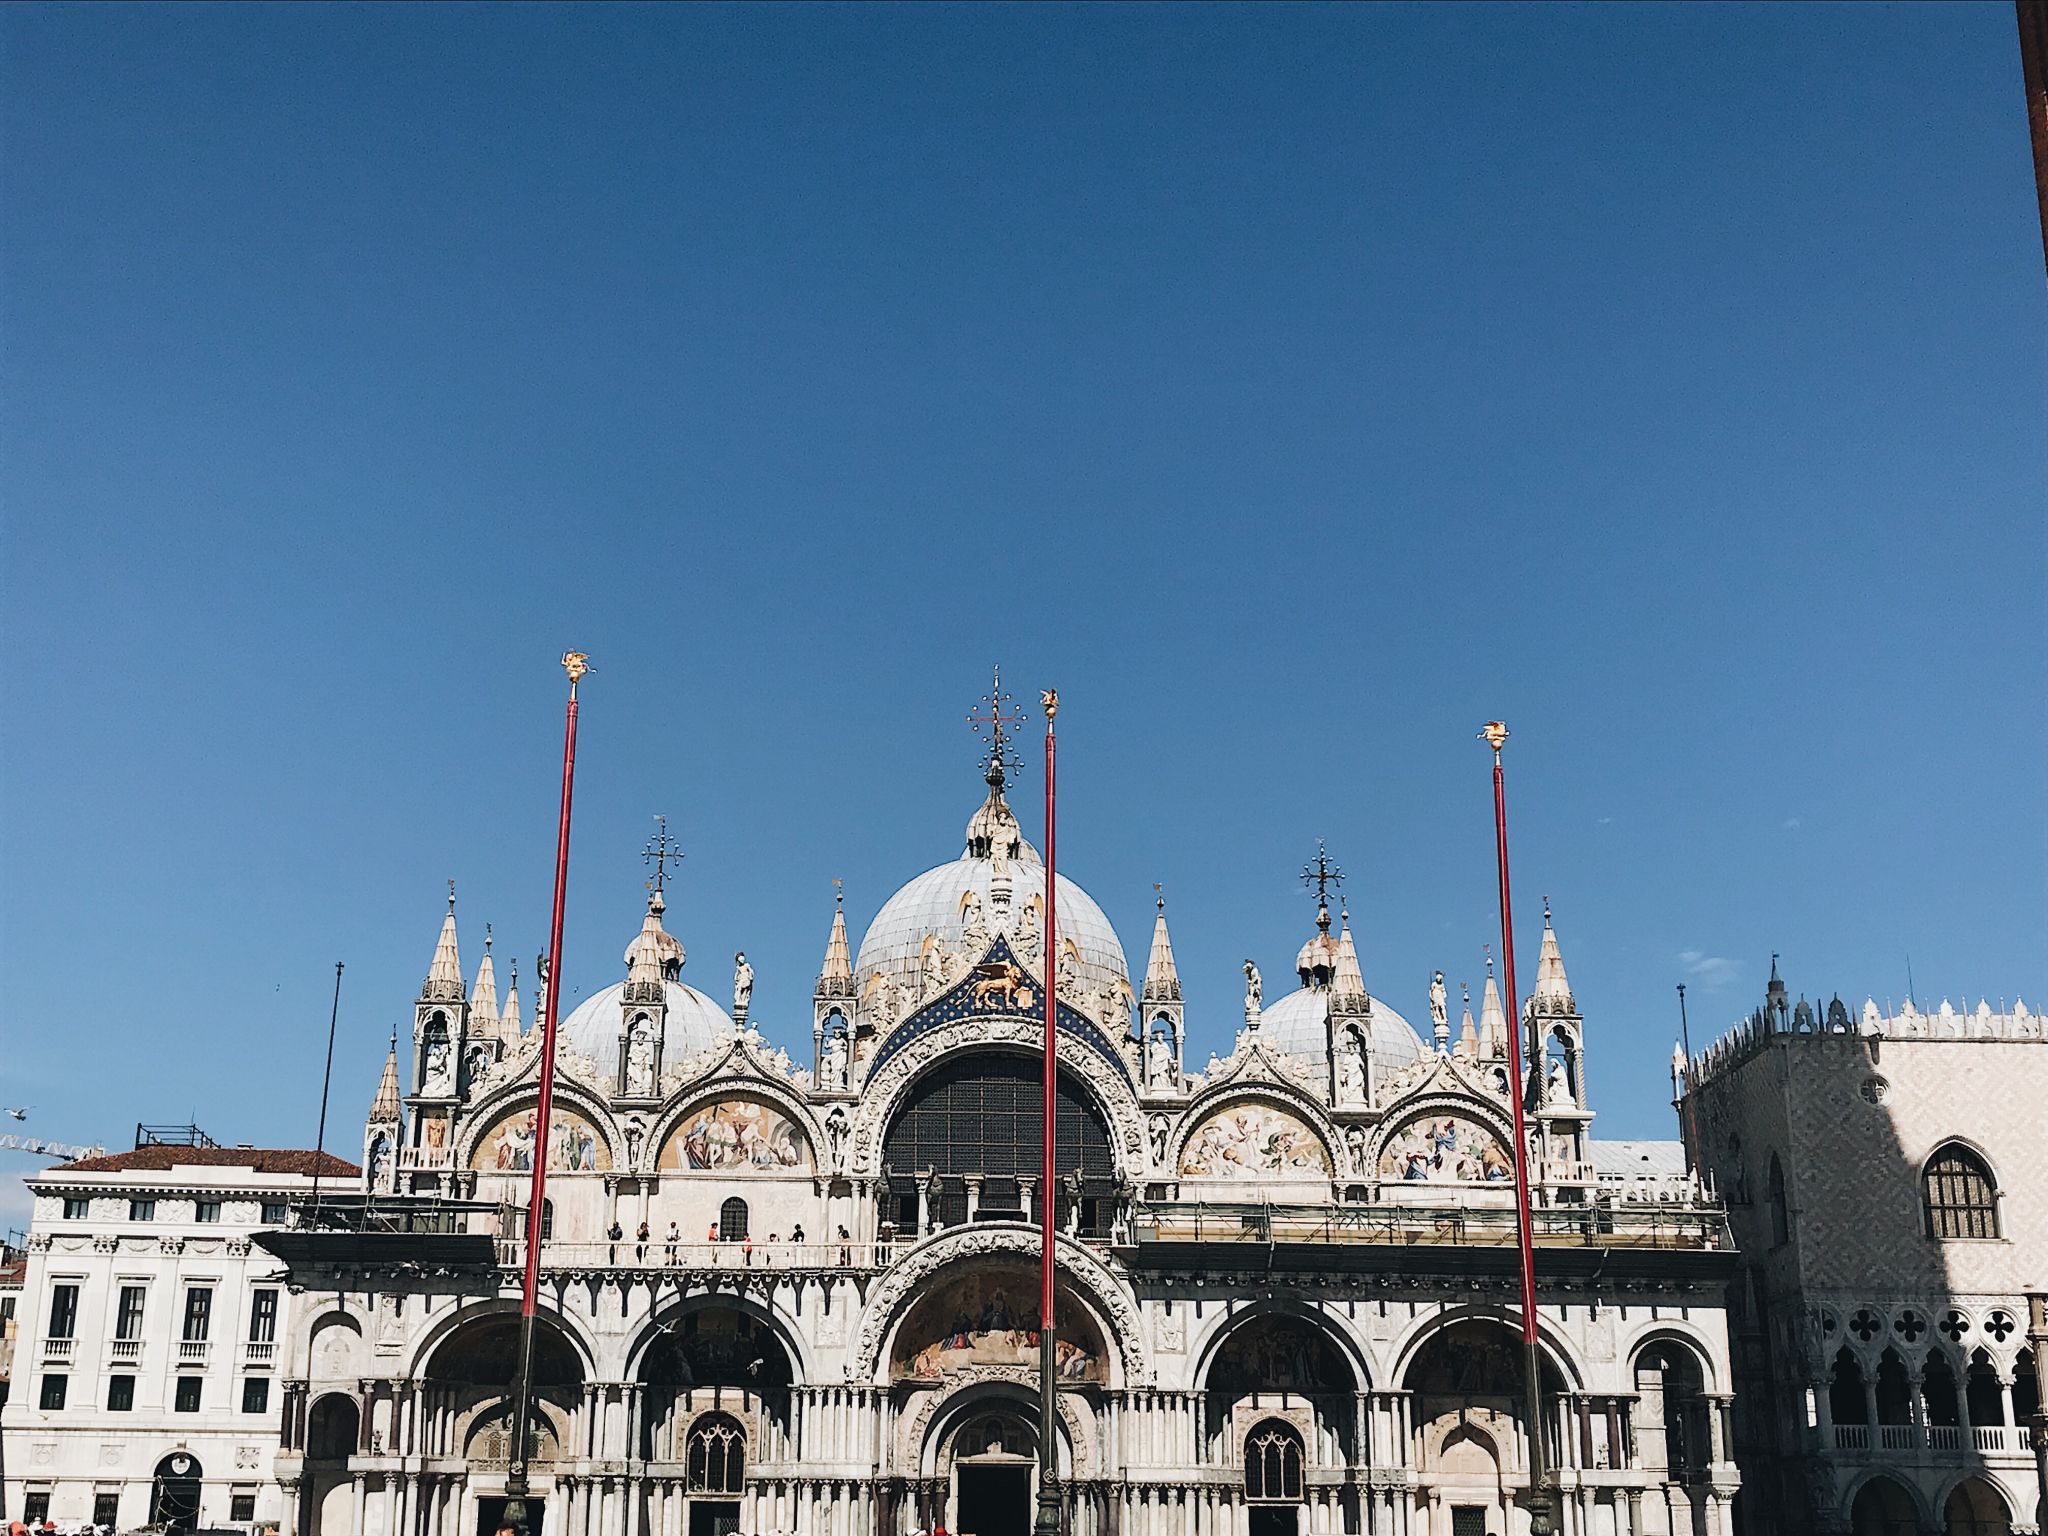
[575,663]
[1495,734]
[1048,1521]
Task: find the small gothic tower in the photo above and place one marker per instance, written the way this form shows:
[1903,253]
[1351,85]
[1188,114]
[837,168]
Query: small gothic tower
[384,1131]
[834,1009]
[653,960]
[1556,1048]
[1351,1072]
[486,1038]
[1162,1026]
[440,1039]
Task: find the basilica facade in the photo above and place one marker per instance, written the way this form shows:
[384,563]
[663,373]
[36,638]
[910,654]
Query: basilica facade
[801,1295]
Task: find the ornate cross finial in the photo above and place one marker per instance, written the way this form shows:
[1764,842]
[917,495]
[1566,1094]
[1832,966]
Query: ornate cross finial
[660,849]
[838,893]
[487,938]
[1322,874]
[451,895]
[1002,758]
[1159,890]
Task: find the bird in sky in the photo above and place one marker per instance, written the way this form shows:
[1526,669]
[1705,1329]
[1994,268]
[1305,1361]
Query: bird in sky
[19,1114]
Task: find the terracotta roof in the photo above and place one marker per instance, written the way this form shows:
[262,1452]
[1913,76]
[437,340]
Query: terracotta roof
[255,1159]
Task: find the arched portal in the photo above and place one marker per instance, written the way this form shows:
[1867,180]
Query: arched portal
[970,1134]
[712,1360]
[1273,1477]
[1974,1508]
[1468,1386]
[1883,1508]
[980,1459]
[174,1496]
[332,1428]
[1286,1365]
[469,1404]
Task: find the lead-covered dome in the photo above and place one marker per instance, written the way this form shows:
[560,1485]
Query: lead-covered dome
[993,884]
[694,1023]
[1298,1025]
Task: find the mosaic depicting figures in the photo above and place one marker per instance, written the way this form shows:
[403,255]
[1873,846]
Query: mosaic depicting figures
[1277,1354]
[1445,1149]
[574,1146]
[991,1318]
[738,1136]
[1253,1141]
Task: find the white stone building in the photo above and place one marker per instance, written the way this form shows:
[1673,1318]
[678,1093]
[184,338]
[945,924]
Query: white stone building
[1879,1173]
[150,1330]
[1288,1295]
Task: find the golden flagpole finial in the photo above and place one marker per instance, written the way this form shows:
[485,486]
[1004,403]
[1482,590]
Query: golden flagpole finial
[1050,698]
[575,663]
[1493,733]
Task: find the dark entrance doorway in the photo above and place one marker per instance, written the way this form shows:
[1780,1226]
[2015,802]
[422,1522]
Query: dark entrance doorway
[174,1500]
[995,1500]
[714,1519]
[1274,1520]
[490,1516]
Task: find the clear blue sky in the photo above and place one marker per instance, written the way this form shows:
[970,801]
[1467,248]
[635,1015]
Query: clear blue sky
[1295,388]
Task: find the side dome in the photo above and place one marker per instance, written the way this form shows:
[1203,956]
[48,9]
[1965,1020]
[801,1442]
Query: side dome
[695,1023]
[1298,1025]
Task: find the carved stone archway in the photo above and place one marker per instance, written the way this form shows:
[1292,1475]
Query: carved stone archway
[1087,1276]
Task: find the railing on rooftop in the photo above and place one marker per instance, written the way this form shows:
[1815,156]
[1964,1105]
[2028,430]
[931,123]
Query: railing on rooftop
[1600,1225]
[172,1136]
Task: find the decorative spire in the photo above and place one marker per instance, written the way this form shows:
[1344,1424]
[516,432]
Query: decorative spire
[1348,984]
[444,975]
[509,1023]
[484,996]
[1493,1018]
[1316,961]
[1468,1037]
[836,979]
[1162,981]
[384,1108]
[1553,993]
[993,831]
[655,955]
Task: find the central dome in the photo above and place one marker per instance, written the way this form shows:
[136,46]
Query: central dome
[1004,875]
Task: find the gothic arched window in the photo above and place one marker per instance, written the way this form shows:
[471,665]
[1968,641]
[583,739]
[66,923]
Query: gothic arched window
[1962,1199]
[1272,1464]
[732,1220]
[717,1455]
[1781,1215]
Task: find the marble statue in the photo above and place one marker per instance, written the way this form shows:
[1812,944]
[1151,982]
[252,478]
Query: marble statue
[1159,1060]
[640,1058]
[1158,1129]
[974,934]
[833,1074]
[1354,1143]
[1558,1091]
[1350,1070]
[1026,939]
[436,1081]
[1253,990]
[836,1127]
[742,985]
[635,1133]
[931,970]
[1439,1007]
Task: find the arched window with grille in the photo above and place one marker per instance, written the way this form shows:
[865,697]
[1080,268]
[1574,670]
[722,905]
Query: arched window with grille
[732,1220]
[1272,1464]
[717,1455]
[1962,1197]
[1781,1213]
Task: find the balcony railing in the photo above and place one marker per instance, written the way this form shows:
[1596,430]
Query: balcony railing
[58,1351]
[1944,1437]
[124,1351]
[259,1352]
[658,1254]
[1598,1226]
[192,1351]
[431,1159]
[1898,1437]
[1989,1437]
[1852,1437]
